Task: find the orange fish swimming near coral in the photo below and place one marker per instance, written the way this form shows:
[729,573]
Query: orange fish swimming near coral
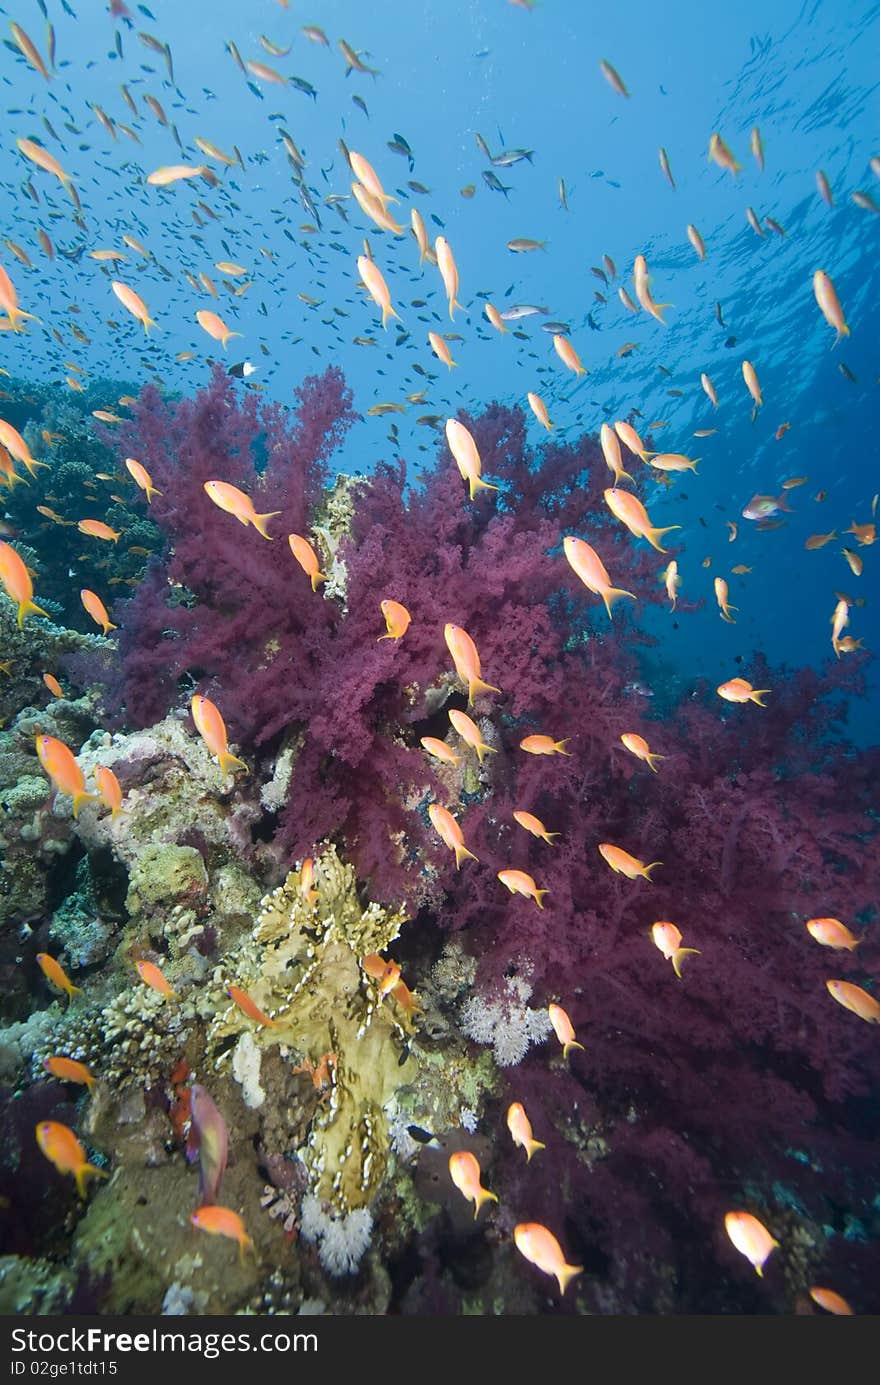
[856,1000]
[307,558]
[54,972]
[17,583]
[520,882]
[234,501]
[152,976]
[585,561]
[541,1248]
[467,661]
[667,937]
[59,762]
[450,833]
[248,1007]
[61,1147]
[624,864]
[751,1238]
[520,1128]
[464,1170]
[212,729]
[222,1221]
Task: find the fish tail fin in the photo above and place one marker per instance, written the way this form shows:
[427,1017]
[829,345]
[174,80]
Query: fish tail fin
[453,304]
[88,1171]
[259,522]
[614,594]
[557,746]
[724,616]
[646,873]
[389,312]
[532,1147]
[462,854]
[483,749]
[478,484]
[757,693]
[652,756]
[151,491]
[538,896]
[677,956]
[32,462]
[79,799]
[566,1273]
[12,479]
[227,760]
[225,339]
[652,535]
[547,835]
[572,1043]
[483,1196]
[477,686]
[148,323]
[30,608]
[316,578]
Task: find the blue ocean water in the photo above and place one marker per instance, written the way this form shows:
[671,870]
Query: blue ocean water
[519,78]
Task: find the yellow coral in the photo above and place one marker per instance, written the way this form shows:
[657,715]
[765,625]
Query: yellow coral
[302,967]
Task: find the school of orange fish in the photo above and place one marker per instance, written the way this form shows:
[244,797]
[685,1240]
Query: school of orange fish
[59,1143]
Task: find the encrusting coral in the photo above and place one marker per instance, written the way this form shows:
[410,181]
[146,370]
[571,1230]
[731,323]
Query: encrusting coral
[302,968]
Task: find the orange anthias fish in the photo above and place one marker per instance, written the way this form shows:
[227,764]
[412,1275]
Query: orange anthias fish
[544,745]
[59,762]
[563,1029]
[541,1248]
[248,1007]
[668,939]
[624,864]
[141,478]
[54,972]
[520,1128]
[215,327]
[467,661]
[567,354]
[69,1070]
[853,998]
[630,511]
[464,1170]
[585,561]
[534,825]
[97,610]
[741,690]
[234,501]
[832,933]
[53,685]
[520,882]
[448,272]
[440,750]
[109,788]
[832,1302]
[467,457]
[397,619]
[17,583]
[97,529]
[750,1237]
[638,746]
[151,976]
[450,833]
[222,1221]
[135,304]
[376,287]
[63,1149]
[212,729]
[307,881]
[307,558]
[470,732]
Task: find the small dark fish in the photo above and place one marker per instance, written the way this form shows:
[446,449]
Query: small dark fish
[302,85]
[437,220]
[730,341]
[718,316]
[847,373]
[419,187]
[359,101]
[562,329]
[424,1137]
[494,182]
